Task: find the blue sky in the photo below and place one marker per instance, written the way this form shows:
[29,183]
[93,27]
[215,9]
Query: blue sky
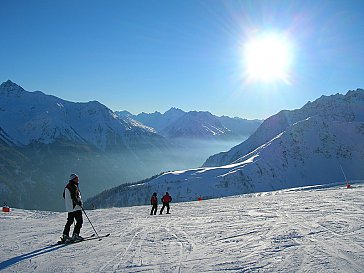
[152,55]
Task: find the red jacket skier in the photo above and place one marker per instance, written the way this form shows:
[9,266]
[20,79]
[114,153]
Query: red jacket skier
[166,199]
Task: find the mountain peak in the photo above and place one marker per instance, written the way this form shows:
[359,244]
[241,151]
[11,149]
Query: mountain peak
[174,110]
[10,87]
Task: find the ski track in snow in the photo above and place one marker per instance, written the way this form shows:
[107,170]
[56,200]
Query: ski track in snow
[317,230]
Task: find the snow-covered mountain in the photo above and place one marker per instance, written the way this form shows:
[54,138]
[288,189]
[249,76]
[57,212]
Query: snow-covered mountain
[290,149]
[196,125]
[28,117]
[299,230]
[158,120]
[196,135]
[340,108]
[177,124]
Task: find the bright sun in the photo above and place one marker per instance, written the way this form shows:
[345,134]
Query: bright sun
[268,58]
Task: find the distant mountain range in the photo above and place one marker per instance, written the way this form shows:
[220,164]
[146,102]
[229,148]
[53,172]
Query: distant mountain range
[307,146]
[177,124]
[33,117]
[44,138]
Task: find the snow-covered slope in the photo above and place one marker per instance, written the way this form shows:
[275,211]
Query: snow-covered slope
[28,117]
[312,230]
[341,108]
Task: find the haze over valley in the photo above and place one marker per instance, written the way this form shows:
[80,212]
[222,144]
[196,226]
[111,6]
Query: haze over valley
[44,138]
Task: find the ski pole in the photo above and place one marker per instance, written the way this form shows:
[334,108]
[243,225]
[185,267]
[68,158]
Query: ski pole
[91,223]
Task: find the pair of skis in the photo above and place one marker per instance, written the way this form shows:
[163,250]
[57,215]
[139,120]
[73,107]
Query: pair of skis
[88,238]
[92,237]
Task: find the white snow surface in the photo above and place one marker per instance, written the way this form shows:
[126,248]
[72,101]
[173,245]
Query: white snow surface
[318,229]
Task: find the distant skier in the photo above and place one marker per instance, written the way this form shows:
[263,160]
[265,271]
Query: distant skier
[154,203]
[166,199]
[73,202]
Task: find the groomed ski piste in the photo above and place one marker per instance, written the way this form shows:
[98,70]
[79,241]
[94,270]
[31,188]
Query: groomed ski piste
[318,229]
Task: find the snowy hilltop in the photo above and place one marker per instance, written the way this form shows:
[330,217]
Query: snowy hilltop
[299,230]
[296,148]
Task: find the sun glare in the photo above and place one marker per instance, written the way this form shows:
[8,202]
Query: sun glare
[268,58]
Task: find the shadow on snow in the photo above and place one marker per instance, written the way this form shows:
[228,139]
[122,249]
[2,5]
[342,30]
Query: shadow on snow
[29,255]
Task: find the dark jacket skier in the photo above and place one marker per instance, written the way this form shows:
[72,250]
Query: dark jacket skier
[166,199]
[154,203]
[73,202]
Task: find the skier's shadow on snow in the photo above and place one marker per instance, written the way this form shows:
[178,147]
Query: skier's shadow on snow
[29,255]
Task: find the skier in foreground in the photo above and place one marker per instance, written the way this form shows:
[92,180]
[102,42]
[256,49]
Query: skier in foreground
[73,202]
[154,203]
[165,200]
